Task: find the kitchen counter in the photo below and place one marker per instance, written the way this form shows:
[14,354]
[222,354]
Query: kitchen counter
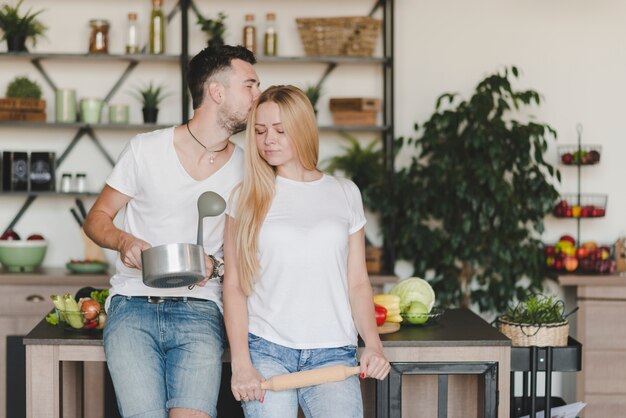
[54,276]
[460,338]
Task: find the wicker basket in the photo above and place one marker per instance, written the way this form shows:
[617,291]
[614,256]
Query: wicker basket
[526,335]
[339,36]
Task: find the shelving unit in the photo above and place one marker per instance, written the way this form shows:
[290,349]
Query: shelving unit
[81,130]
[577,155]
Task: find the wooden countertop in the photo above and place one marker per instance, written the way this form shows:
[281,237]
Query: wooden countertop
[456,327]
[592,280]
[54,276]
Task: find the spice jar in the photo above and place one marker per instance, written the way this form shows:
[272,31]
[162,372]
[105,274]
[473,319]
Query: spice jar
[99,39]
[81,182]
[66,183]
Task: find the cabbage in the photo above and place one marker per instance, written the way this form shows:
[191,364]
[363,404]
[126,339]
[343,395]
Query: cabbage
[412,290]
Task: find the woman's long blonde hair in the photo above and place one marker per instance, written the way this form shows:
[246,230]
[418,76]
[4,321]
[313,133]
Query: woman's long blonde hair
[257,189]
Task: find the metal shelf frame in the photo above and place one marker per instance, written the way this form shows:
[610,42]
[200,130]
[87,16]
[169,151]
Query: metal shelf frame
[183,6]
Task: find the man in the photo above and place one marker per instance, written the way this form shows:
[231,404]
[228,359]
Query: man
[164,346]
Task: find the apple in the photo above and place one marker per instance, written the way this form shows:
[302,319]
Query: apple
[570,263]
[35,237]
[550,261]
[558,264]
[585,212]
[594,156]
[581,252]
[576,211]
[590,245]
[568,212]
[10,235]
[567,158]
[549,250]
[598,212]
[586,264]
[568,238]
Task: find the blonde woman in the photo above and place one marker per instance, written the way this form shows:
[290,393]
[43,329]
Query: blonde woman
[296,289]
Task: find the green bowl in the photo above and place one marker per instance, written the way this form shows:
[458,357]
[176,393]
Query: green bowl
[22,256]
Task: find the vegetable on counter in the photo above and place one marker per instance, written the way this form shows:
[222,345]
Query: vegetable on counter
[85,314]
[381,314]
[412,290]
[392,304]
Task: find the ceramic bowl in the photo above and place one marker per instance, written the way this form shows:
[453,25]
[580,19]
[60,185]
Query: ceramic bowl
[22,256]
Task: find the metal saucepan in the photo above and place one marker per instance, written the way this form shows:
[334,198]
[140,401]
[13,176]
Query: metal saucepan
[180,265]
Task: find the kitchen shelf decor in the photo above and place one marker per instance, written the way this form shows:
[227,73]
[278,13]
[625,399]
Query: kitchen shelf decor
[573,255]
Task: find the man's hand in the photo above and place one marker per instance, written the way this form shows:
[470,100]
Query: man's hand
[130,251]
[208,262]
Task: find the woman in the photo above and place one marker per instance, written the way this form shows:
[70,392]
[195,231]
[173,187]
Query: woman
[296,289]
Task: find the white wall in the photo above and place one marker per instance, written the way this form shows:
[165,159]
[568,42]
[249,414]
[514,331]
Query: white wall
[570,51]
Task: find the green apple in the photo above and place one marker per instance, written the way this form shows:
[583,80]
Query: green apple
[417,313]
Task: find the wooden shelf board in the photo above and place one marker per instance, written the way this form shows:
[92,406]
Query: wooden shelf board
[596,280]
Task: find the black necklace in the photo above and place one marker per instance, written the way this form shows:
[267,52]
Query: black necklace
[211,153]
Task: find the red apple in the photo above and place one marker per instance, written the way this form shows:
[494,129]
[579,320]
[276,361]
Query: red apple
[581,252]
[558,264]
[567,158]
[10,235]
[35,237]
[548,250]
[568,238]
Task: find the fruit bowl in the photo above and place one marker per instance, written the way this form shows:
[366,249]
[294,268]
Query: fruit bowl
[586,155]
[86,266]
[22,256]
[420,319]
[583,206]
[81,321]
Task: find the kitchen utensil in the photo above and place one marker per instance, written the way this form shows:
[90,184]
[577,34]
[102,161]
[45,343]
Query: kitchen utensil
[209,204]
[309,378]
[173,265]
[77,217]
[179,265]
[81,208]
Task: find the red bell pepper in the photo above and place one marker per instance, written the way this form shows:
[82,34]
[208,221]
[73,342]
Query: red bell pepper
[381,314]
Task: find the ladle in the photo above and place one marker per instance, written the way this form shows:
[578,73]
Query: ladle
[209,204]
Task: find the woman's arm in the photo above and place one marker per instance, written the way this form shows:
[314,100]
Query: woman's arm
[373,361]
[245,382]
[100,228]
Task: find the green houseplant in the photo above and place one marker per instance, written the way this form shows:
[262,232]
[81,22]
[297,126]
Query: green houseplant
[537,320]
[150,96]
[214,28]
[469,207]
[365,166]
[23,87]
[16,28]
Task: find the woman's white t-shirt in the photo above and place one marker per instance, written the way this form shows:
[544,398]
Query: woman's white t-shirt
[163,207]
[300,299]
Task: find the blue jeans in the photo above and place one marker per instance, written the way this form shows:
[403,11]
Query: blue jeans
[337,399]
[163,356]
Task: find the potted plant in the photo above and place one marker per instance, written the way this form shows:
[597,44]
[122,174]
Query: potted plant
[539,320]
[16,28]
[471,203]
[364,165]
[214,28]
[23,101]
[150,96]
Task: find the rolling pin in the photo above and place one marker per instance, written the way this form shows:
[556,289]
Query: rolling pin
[309,378]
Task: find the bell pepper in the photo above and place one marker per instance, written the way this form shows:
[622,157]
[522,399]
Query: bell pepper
[381,314]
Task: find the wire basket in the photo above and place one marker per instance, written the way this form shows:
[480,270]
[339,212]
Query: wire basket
[587,155]
[339,36]
[526,335]
[587,205]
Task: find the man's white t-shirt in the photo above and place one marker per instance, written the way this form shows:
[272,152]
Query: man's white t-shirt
[163,207]
[300,299]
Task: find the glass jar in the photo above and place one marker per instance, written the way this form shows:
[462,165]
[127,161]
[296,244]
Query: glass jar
[99,39]
[132,34]
[270,39]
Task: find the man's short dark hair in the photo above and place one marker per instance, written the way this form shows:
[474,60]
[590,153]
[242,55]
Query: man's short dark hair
[210,61]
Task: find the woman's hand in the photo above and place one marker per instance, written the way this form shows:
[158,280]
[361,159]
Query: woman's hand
[208,262]
[246,384]
[374,364]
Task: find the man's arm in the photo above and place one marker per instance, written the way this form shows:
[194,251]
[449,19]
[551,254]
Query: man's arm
[100,228]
